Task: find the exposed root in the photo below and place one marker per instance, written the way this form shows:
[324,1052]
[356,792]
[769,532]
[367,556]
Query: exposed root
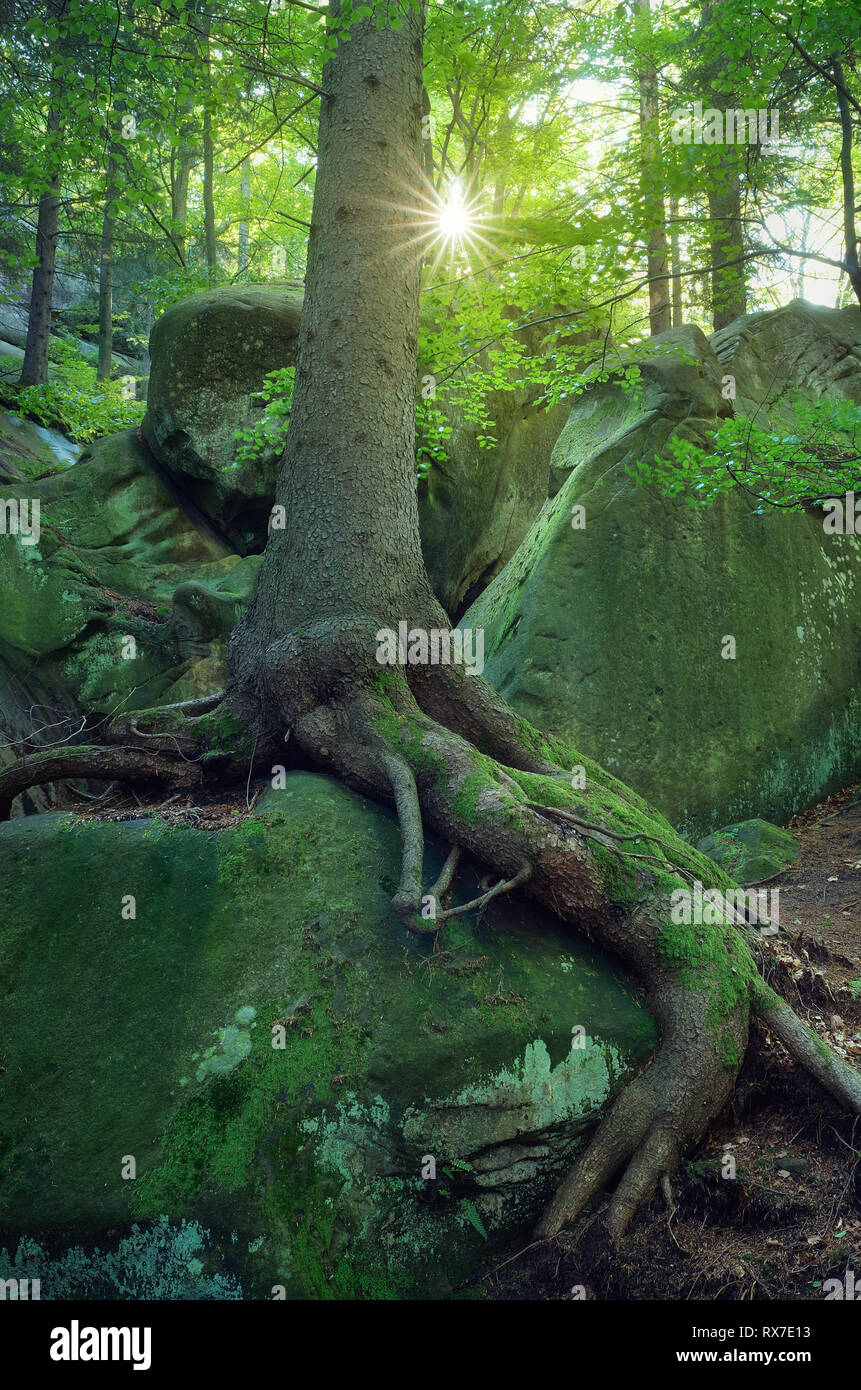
[407,900]
[446,873]
[827,1066]
[107,764]
[504,886]
[204,704]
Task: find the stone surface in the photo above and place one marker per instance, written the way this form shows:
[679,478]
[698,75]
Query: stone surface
[475,509]
[802,351]
[611,636]
[751,851]
[210,354]
[299,1166]
[118,558]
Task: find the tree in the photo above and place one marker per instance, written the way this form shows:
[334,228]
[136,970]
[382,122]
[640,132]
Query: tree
[34,369]
[652,177]
[343,565]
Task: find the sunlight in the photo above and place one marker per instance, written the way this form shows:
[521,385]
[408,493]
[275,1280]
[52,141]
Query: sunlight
[457,221]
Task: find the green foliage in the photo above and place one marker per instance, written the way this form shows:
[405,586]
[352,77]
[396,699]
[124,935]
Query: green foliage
[267,435]
[74,401]
[818,457]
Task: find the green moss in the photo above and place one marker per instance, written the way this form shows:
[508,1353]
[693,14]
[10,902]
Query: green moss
[224,733]
[729,1053]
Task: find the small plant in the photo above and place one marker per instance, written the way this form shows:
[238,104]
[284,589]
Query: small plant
[267,435]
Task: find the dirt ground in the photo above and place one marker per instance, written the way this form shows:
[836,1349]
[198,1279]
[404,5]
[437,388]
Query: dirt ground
[791,1216]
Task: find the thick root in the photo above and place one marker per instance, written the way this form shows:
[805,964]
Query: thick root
[831,1071]
[655,1120]
[107,764]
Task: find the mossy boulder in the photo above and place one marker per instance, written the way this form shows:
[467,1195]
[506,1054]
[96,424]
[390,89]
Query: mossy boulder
[127,600]
[751,851]
[210,354]
[284,1064]
[609,625]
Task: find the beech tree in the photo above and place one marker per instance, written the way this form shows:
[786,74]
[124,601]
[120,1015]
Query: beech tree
[437,742]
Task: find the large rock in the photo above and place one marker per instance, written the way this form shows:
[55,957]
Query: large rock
[118,557]
[800,352]
[151,1039]
[477,506]
[612,635]
[210,354]
[752,851]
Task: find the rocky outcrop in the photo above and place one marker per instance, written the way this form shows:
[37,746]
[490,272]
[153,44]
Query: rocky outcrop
[615,634]
[127,600]
[311,1098]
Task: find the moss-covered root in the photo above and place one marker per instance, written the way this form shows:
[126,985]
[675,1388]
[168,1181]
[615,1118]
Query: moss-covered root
[661,1115]
[107,764]
[843,1082]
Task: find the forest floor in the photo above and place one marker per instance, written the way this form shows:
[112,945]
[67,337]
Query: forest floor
[791,1216]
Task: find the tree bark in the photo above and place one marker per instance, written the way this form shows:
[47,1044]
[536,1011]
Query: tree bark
[34,369]
[245,193]
[678,310]
[728,285]
[850,235]
[652,182]
[106,277]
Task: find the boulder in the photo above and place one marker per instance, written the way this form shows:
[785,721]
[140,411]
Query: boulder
[210,354]
[614,636]
[118,558]
[261,1080]
[751,851]
[799,352]
[31,451]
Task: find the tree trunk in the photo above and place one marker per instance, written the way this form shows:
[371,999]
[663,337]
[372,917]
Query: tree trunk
[34,370]
[728,285]
[652,183]
[728,282]
[208,192]
[245,192]
[678,310]
[106,278]
[850,235]
[208,151]
[182,160]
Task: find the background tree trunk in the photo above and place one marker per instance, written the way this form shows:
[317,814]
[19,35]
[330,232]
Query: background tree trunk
[244,230]
[652,181]
[728,285]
